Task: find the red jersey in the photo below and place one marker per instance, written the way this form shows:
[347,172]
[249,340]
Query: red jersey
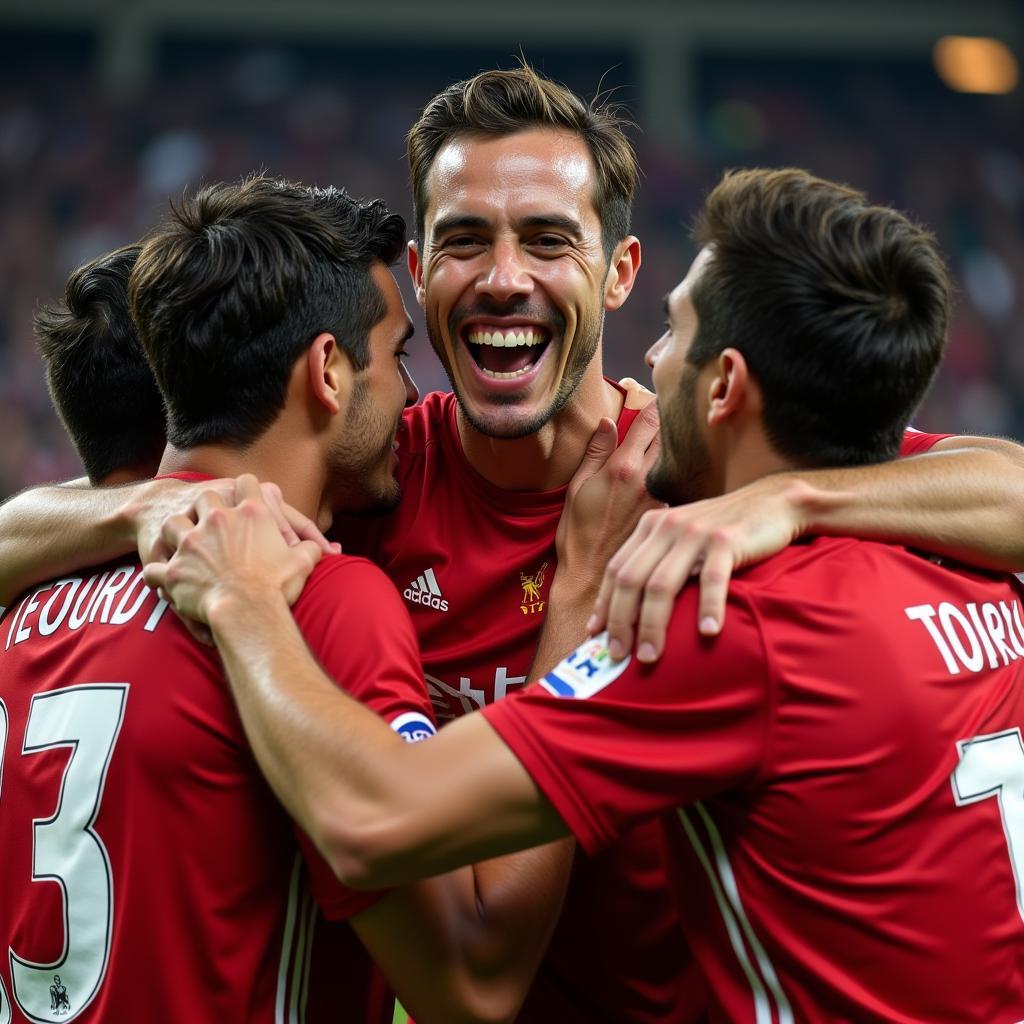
[842,776]
[474,564]
[149,873]
[916,442]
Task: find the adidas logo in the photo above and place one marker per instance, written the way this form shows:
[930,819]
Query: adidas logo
[424,590]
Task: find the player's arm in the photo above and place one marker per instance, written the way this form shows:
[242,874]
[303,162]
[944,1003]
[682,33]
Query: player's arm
[457,948]
[50,530]
[465,946]
[460,947]
[963,499]
[382,812]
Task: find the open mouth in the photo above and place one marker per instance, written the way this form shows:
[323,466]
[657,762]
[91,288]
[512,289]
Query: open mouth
[506,353]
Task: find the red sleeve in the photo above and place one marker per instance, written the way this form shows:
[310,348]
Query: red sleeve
[915,441]
[612,744]
[358,629]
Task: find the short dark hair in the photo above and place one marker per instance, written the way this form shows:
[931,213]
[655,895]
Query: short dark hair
[838,306]
[500,102]
[235,286]
[100,382]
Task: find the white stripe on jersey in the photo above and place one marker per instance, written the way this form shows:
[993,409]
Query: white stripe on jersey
[300,963]
[309,960]
[287,939]
[737,924]
[432,582]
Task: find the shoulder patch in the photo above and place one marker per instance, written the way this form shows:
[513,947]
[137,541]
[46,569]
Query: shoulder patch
[413,727]
[588,670]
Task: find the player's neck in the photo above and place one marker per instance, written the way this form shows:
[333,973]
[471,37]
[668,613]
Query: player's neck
[547,459]
[297,466]
[751,457]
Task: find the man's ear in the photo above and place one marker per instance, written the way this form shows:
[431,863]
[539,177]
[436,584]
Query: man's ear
[622,270]
[731,390]
[416,270]
[330,373]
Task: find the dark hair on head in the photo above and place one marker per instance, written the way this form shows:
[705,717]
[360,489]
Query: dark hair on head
[838,306]
[99,380]
[505,102]
[232,290]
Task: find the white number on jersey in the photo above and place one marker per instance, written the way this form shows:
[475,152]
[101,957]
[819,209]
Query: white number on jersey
[66,850]
[993,765]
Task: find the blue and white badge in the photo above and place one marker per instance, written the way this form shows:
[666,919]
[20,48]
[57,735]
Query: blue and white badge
[588,670]
[413,727]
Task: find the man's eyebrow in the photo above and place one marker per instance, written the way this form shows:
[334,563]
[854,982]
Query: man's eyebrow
[664,306]
[552,220]
[456,222]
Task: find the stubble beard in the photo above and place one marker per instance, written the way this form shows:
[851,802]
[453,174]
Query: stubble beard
[585,345]
[358,481]
[682,472]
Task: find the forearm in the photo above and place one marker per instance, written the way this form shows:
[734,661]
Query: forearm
[48,531]
[317,747]
[465,946]
[382,812]
[966,503]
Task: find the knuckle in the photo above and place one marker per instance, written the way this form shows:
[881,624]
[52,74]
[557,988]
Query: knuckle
[658,588]
[189,543]
[714,578]
[628,579]
[649,519]
[626,473]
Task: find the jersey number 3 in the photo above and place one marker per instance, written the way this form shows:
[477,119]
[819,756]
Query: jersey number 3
[993,766]
[66,850]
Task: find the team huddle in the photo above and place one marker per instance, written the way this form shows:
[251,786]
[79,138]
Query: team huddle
[610,707]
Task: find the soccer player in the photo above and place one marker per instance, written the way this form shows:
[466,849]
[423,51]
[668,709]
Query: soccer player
[95,364]
[522,196]
[839,771]
[168,883]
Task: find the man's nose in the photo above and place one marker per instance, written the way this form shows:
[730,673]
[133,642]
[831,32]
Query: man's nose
[507,274]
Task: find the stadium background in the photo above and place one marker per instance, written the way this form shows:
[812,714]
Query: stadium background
[109,108]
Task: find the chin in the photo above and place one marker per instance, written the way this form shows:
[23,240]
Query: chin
[512,416]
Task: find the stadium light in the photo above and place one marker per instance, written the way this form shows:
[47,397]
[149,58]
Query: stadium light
[976,64]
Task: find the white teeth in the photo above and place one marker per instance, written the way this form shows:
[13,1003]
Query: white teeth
[497,375]
[510,339]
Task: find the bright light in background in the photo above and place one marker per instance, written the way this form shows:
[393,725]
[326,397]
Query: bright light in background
[975,64]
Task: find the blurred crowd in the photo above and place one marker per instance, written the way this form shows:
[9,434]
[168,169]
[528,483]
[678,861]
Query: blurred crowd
[83,171]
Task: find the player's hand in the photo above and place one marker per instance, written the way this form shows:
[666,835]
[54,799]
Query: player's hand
[709,538]
[605,498]
[233,552]
[165,499]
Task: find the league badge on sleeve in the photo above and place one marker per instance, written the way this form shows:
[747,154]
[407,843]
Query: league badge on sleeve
[588,670]
[413,727]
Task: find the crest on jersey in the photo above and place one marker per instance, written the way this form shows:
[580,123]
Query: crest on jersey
[588,670]
[532,603]
[60,1004]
